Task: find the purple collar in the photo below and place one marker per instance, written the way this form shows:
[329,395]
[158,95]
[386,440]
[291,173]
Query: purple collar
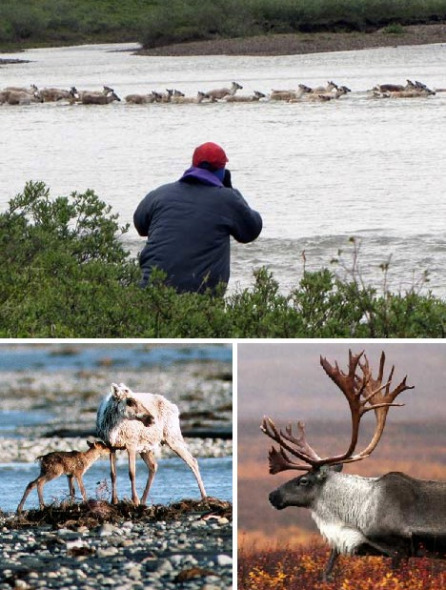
[202,175]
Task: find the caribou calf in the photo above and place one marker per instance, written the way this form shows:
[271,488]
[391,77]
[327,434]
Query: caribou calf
[73,464]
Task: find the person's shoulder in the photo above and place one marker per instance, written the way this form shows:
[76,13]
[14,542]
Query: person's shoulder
[232,195]
[230,192]
[163,189]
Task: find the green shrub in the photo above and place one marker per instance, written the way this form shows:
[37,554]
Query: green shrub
[66,273]
[31,22]
[157,22]
[22,24]
[194,20]
[187,20]
[394,29]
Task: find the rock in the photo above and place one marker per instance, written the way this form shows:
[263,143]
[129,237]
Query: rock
[164,566]
[68,535]
[108,529]
[176,560]
[127,543]
[108,552]
[134,573]
[76,544]
[224,560]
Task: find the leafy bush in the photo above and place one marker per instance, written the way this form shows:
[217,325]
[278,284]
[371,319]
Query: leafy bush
[194,20]
[22,24]
[157,22]
[301,569]
[51,21]
[66,273]
[394,29]
[190,20]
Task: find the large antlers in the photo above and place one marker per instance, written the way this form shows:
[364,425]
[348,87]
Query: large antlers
[363,393]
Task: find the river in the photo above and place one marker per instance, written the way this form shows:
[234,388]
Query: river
[174,482]
[318,173]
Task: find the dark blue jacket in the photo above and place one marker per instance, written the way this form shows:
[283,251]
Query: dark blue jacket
[189,224]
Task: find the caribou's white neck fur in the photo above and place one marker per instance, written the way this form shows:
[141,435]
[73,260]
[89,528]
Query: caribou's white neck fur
[344,509]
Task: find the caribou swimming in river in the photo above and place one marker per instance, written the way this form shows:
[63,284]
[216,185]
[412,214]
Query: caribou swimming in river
[394,515]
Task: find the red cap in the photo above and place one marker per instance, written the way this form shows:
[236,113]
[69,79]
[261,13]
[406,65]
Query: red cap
[211,153]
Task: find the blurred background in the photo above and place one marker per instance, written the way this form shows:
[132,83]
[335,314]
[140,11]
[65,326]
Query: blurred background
[286,382]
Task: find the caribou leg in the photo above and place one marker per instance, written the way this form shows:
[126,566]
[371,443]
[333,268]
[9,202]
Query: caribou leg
[397,548]
[330,564]
[149,459]
[178,446]
[113,476]
[132,470]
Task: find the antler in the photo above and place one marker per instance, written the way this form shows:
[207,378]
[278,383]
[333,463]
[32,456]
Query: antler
[363,395]
[279,460]
[382,398]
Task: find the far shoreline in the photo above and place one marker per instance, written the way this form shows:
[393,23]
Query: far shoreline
[304,43]
[279,44]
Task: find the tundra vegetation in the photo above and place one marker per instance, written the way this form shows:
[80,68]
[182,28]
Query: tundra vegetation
[155,23]
[299,569]
[66,273]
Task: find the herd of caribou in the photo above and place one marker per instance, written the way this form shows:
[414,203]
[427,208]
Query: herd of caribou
[13,95]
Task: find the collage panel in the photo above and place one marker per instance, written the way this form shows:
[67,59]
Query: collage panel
[218,222]
[116,465]
[277,207]
[341,465]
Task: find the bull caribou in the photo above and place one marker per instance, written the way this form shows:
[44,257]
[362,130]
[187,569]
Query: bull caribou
[393,515]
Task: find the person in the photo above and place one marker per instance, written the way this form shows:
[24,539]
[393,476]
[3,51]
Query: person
[189,223]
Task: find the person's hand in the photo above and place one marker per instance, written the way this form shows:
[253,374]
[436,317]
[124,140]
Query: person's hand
[227,179]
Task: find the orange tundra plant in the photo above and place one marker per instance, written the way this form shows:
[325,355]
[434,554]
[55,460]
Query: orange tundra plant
[299,569]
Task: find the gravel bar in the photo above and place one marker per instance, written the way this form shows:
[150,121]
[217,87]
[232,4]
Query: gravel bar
[191,550]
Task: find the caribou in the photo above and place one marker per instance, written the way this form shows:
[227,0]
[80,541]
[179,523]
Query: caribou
[393,515]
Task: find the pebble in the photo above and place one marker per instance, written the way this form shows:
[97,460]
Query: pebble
[224,560]
[108,552]
[108,529]
[65,559]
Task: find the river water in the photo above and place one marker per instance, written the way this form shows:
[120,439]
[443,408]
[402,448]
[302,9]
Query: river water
[73,357]
[174,482]
[318,173]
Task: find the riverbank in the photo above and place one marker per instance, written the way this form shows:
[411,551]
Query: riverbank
[301,43]
[101,546]
[298,43]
